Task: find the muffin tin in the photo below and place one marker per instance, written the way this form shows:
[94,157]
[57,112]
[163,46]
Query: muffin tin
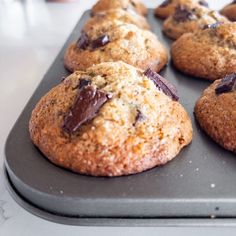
[196,188]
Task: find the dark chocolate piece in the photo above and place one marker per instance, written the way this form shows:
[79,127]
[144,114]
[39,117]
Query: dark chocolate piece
[182,14]
[83,83]
[165,3]
[83,41]
[203,3]
[233,2]
[212,26]
[139,117]
[165,86]
[227,84]
[100,41]
[133,3]
[85,108]
[63,78]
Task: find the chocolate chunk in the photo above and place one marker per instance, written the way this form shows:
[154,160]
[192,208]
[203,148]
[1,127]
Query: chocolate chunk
[203,3]
[63,78]
[133,3]
[139,117]
[212,26]
[85,108]
[100,42]
[227,84]
[165,3]
[83,41]
[83,83]
[165,86]
[182,14]
[234,2]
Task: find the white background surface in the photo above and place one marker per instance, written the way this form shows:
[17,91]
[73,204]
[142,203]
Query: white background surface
[31,35]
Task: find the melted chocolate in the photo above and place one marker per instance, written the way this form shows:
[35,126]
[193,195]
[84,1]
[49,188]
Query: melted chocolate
[83,83]
[182,14]
[165,86]
[85,108]
[139,117]
[100,41]
[227,84]
[83,41]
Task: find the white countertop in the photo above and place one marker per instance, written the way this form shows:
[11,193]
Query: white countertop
[32,33]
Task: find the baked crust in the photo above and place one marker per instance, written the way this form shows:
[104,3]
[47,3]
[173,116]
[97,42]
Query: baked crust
[208,54]
[117,14]
[202,16]
[128,43]
[217,116]
[115,142]
[229,11]
[104,5]
[167,10]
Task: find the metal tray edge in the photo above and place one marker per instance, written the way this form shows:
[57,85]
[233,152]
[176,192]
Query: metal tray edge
[120,222]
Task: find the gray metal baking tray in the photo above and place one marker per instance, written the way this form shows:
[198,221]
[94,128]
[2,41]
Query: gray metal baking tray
[195,187]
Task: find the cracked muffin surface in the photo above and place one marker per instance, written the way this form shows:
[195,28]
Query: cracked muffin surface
[187,19]
[209,54]
[133,5]
[130,17]
[115,41]
[110,120]
[167,7]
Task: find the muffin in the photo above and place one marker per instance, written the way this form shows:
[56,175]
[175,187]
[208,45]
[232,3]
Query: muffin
[209,54]
[110,120]
[189,19]
[130,17]
[133,5]
[167,8]
[115,41]
[230,11]
[216,114]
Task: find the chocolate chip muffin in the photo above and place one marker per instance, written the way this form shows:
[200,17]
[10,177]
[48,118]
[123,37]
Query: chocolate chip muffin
[208,54]
[133,5]
[230,11]
[167,8]
[117,14]
[190,19]
[114,41]
[111,120]
[216,114]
